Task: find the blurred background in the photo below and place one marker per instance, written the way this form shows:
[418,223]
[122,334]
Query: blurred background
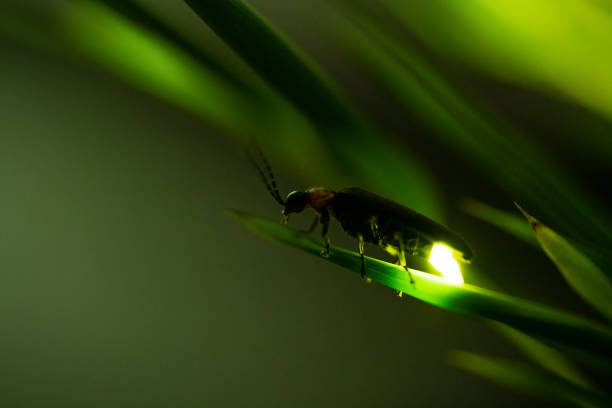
[123,127]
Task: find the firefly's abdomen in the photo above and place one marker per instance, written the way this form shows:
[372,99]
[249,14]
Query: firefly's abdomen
[380,221]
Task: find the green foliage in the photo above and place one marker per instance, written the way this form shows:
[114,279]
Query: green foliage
[343,130]
[140,16]
[530,317]
[579,271]
[160,69]
[528,379]
[545,356]
[503,154]
[297,111]
[510,223]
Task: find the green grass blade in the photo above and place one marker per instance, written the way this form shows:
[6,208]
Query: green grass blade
[510,223]
[538,320]
[362,151]
[91,31]
[544,355]
[265,113]
[160,68]
[592,360]
[579,271]
[139,15]
[528,379]
[273,57]
[176,72]
[427,89]
[527,43]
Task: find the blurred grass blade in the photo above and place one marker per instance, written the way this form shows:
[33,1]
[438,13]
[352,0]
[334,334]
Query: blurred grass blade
[578,270]
[141,16]
[528,380]
[436,97]
[537,44]
[139,49]
[544,355]
[275,59]
[593,360]
[153,64]
[258,110]
[510,223]
[178,73]
[360,150]
[530,317]
[148,60]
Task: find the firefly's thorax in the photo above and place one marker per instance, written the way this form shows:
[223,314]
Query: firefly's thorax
[315,197]
[319,197]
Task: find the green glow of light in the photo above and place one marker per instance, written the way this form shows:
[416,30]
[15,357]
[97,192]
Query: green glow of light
[442,259]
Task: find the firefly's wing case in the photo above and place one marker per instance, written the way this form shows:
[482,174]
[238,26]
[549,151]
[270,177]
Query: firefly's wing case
[353,207]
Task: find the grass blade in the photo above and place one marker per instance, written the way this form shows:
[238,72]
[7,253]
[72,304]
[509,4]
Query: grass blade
[161,69]
[538,320]
[363,153]
[510,223]
[275,59]
[437,99]
[92,31]
[544,355]
[111,32]
[528,379]
[579,271]
[139,15]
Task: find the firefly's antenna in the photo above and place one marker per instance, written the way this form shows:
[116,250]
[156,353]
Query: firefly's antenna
[268,180]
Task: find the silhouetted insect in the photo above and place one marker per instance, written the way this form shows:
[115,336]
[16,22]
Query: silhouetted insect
[368,217]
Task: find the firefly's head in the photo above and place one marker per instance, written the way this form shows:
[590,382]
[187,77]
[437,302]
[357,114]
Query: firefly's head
[315,197]
[296,202]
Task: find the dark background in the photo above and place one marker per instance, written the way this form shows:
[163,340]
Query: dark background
[124,282]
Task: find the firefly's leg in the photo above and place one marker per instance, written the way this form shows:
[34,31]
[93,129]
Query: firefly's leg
[314,224]
[402,257]
[414,249]
[376,235]
[325,222]
[361,252]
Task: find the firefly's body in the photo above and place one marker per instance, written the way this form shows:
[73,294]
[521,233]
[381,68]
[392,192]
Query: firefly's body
[372,218]
[369,218]
[384,222]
